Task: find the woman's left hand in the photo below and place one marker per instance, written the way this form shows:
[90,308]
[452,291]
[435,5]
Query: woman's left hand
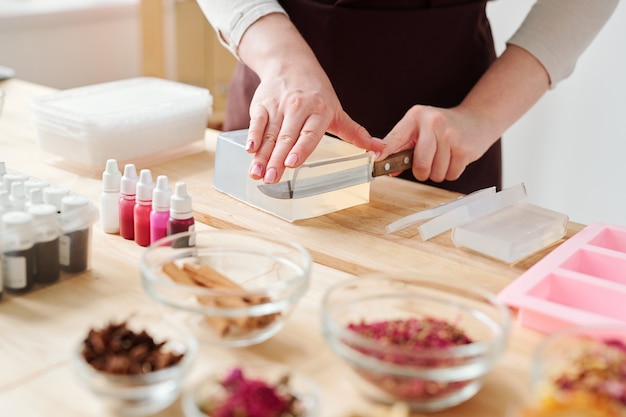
[445,141]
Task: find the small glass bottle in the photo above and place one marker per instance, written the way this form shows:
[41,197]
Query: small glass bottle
[160,209]
[46,229]
[77,216]
[110,198]
[181,215]
[128,188]
[143,206]
[18,263]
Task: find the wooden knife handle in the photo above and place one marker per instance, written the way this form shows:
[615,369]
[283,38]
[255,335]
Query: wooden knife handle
[393,163]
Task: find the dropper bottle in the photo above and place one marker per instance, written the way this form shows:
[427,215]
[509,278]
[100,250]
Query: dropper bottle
[160,209]
[128,188]
[143,206]
[110,197]
[181,215]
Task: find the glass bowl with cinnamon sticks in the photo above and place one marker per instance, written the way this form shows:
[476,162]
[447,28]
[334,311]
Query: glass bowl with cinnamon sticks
[135,363]
[422,341]
[230,287]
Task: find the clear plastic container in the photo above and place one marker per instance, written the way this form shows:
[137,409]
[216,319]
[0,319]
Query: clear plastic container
[136,119]
[231,177]
[513,232]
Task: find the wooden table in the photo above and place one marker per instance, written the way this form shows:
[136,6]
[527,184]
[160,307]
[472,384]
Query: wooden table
[39,329]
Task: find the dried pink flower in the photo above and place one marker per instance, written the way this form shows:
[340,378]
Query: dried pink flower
[401,342]
[248,397]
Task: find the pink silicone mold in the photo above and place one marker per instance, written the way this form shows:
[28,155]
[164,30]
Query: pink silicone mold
[581,282]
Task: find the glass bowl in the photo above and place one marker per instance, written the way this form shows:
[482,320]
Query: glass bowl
[134,383]
[234,288]
[261,389]
[580,371]
[424,342]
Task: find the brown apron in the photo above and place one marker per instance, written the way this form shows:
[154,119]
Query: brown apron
[384,56]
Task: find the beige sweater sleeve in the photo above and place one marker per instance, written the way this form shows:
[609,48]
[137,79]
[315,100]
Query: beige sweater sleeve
[231,18]
[557,32]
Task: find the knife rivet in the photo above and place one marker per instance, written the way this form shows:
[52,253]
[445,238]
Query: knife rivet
[406,160]
[387,166]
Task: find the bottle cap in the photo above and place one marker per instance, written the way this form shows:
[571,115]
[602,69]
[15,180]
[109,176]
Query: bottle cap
[31,184]
[5,201]
[17,230]
[18,195]
[180,202]
[145,186]
[10,178]
[45,221]
[111,177]
[35,196]
[161,194]
[53,195]
[128,184]
[77,212]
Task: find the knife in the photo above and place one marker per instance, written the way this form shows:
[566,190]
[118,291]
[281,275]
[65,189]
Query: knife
[307,186]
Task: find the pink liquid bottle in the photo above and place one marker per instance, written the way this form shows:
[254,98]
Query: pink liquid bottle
[181,216]
[128,188]
[143,207]
[160,209]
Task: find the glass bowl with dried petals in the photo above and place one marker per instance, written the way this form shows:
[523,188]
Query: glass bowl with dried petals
[580,371]
[422,341]
[253,390]
[231,288]
[135,363]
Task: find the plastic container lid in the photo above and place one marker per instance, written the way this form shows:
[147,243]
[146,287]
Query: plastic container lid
[118,104]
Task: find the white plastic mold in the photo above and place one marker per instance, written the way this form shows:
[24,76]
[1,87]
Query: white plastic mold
[581,282]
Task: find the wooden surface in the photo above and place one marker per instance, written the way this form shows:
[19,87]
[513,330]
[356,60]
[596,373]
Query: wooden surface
[39,329]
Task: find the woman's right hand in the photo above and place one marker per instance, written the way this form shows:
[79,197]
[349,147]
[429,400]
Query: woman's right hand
[295,103]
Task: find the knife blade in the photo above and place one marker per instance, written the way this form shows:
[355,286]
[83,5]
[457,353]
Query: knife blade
[306,187]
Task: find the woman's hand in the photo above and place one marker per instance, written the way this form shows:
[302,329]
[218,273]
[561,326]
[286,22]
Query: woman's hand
[295,103]
[445,141]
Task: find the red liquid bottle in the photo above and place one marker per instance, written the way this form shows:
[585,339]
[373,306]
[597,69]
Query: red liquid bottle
[181,216]
[128,188]
[143,207]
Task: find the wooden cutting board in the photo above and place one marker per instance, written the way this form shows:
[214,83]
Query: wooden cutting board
[353,240]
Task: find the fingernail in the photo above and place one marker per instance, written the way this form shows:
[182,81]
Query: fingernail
[249,145]
[377,154]
[292,160]
[270,176]
[256,170]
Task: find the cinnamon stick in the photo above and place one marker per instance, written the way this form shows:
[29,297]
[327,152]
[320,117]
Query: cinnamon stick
[206,276]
